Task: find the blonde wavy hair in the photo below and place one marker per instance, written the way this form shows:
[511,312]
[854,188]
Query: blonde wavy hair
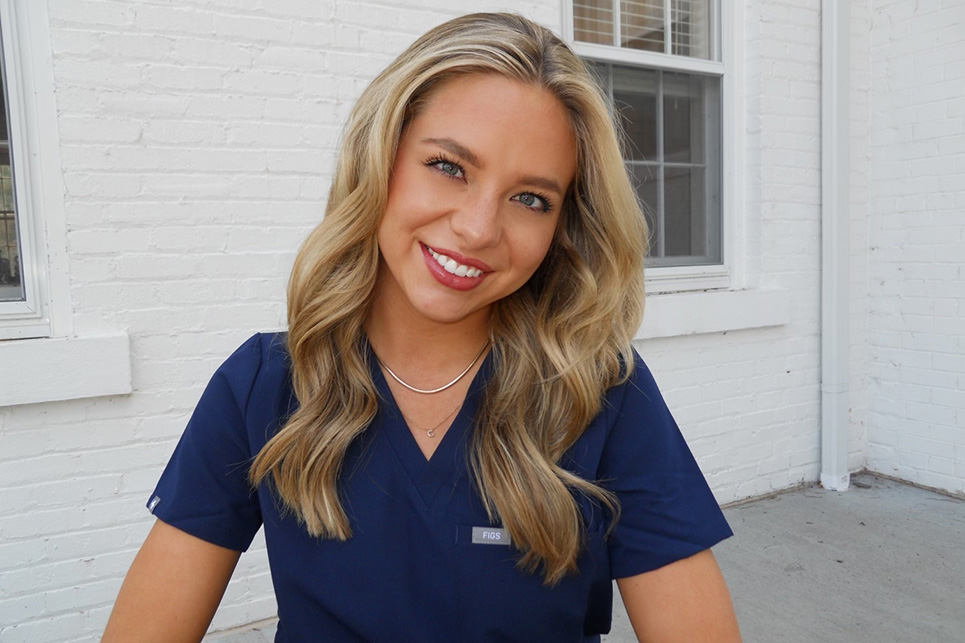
[559,342]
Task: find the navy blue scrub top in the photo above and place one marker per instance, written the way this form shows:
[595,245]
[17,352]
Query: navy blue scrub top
[413,570]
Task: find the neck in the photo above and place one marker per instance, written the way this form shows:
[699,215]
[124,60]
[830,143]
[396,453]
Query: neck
[432,345]
[422,348]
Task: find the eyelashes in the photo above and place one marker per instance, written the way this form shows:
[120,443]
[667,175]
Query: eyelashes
[532,201]
[447,167]
[454,171]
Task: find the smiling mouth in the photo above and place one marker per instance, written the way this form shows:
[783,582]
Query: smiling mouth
[452,266]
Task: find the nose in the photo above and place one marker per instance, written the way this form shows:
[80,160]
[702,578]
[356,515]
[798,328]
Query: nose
[477,221]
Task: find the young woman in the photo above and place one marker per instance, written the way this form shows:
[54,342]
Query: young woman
[455,441]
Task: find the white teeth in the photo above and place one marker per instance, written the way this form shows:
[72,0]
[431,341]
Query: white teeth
[453,266]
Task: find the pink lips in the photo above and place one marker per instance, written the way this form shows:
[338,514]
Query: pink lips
[445,277]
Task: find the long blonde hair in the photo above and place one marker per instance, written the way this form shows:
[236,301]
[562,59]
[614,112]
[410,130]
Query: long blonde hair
[559,342]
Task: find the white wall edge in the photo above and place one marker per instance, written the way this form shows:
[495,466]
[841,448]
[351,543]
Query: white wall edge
[49,370]
[734,125]
[713,312]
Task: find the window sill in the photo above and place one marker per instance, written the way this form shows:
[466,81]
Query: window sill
[50,370]
[673,315]
[680,279]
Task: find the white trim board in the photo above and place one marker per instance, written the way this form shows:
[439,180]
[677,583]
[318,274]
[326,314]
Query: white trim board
[49,370]
[673,315]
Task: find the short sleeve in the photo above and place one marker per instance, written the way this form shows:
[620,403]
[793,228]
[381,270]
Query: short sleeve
[204,489]
[668,511]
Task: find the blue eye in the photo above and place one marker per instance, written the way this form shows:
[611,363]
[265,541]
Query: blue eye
[534,202]
[448,168]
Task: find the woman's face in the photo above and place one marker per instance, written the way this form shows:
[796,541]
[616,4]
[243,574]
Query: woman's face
[474,199]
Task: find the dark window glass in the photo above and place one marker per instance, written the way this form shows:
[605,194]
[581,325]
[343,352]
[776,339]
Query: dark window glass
[11,272]
[672,124]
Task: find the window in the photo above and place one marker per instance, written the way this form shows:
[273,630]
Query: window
[661,63]
[52,363]
[31,207]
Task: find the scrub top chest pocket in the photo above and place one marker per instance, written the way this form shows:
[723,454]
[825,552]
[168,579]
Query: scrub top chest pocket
[500,602]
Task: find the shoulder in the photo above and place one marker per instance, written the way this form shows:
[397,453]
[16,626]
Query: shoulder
[259,368]
[639,424]
[261,349]
[638,390]
[632,416]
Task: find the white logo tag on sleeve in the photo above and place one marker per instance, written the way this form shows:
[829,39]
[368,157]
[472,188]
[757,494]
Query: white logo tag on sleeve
[151,506]
[490,536]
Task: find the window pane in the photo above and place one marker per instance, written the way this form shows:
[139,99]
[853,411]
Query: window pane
[11,275]
[683,118]
[593,21]
[691,154]
[642,24]
[672,122]
[684,230]
[690,28]
[635,99]
[644,176]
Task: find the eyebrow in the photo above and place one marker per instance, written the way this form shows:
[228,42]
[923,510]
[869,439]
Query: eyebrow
[458,149]
[465,153]
[542,182]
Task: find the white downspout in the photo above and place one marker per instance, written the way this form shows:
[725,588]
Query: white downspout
[835,169]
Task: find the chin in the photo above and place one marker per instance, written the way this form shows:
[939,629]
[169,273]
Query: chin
[439,312]
[448,318]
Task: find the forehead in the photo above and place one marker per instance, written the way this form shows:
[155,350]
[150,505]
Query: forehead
[471,87]
[493,113]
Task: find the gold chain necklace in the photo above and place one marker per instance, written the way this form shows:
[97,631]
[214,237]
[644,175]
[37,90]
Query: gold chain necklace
[431,432]
[425,391]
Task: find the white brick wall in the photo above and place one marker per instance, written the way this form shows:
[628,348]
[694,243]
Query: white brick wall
[917,245]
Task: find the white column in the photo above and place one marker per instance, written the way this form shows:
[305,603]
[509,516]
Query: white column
[835,168]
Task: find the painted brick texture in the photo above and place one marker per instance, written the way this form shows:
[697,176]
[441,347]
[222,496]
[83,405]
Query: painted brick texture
[917,244]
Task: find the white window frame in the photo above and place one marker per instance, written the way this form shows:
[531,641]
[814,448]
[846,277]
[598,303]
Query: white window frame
[37,175]
[727,39]
[46,362]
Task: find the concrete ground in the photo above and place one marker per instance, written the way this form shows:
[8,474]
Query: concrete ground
[883,562]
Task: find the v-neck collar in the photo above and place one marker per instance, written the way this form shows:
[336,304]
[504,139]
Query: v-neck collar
[429,475]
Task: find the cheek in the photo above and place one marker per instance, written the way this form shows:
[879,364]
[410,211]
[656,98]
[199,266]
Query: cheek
[399,205]
[411,206]
[536,246]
